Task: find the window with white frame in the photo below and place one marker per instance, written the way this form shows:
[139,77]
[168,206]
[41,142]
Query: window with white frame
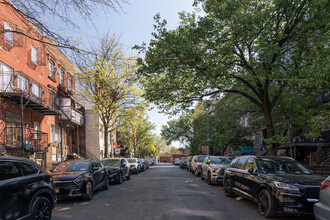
[51,69]
[70,83]
[6,78]
[22,82]
[9,36]
[34,55]
[61,77]
[54,133]
[36,90]
[52,99]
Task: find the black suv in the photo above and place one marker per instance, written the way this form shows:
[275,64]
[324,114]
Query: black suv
[26,191]
[117,168]
[79,178]
[279,185]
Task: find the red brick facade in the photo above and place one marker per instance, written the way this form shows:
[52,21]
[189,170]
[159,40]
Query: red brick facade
[45,77]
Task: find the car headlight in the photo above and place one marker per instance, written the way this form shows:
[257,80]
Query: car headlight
[78,180]
[285,186]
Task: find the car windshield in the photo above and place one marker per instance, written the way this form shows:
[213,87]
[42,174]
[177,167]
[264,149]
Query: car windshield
[132,160]
[184,159]
[78,166]
[220,160]
[111,163]
[201,158]
[281,166]
[176,159]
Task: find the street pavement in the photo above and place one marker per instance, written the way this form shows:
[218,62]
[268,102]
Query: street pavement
[164,191]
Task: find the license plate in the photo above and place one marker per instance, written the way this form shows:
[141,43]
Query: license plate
[57,190]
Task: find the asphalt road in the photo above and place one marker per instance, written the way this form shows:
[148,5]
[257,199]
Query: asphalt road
[164,192]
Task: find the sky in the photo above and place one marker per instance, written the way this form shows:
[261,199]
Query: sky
[134,26]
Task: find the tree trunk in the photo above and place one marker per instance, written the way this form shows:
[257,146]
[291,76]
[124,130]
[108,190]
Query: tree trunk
[106,144]
[272,149]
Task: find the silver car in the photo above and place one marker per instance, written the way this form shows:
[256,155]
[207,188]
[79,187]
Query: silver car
[213,168]
[196,164]
[322,208]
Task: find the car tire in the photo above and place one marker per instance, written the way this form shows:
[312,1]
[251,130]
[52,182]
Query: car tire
[120,178]
[196,173]
[227,185]
[128,176]
[266,204]
[209,181]
[106,183]
[41,208]
[89,191]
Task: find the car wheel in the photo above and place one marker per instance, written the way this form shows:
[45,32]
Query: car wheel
[89,191]
[196,173]
[128,176]
[41,208]
[120,178]
[228,188]
[106,183]
[266,204]
[209,178]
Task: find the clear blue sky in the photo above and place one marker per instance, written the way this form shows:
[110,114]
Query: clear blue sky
[135,26]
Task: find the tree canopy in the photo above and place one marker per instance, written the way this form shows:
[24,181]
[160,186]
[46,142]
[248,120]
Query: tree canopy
[252,48]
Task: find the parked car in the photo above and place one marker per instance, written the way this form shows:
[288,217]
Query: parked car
[213,168]
[322,208]
[151,161]
[134,165]
[26,190]
[189,160]
[176,161]
[146,163]
[183,163]
[279,185]
[142,167]
[196,164]
[79,178]
[117,169]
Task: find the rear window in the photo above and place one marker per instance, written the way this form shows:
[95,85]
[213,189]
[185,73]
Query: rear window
[29,169]
[9,170]
[201,158]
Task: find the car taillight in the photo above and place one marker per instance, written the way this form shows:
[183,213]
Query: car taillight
[325,184]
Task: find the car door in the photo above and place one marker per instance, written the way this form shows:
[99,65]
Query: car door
[251,179]
[95,173]
[205,166]
[237,172]
[14,199]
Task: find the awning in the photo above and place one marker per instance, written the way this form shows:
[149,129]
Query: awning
[30,102]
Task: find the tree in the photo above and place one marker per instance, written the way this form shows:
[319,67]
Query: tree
[111,86]
[251,48]
[37,11]
[137,134]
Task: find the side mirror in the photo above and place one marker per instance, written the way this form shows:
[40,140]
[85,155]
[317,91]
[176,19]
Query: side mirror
[250,170]
[123,164]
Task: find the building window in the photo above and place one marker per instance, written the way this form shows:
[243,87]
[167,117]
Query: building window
[6,78]
[36,90]
[34,55]
[51,69]
[61,77]
[52,99]
[22,83]
[54,133]
[70,83]
[9,36]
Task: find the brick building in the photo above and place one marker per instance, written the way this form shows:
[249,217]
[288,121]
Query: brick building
[40,118]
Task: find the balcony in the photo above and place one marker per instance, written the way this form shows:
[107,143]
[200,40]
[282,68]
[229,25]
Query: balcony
[70,113]
[34,141]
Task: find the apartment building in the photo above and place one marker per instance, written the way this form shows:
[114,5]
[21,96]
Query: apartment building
[40,118]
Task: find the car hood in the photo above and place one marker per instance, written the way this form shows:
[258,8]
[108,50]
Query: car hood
[66,176]
[218,166]
[296,179]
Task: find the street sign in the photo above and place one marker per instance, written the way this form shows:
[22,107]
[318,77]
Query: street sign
[117,150]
